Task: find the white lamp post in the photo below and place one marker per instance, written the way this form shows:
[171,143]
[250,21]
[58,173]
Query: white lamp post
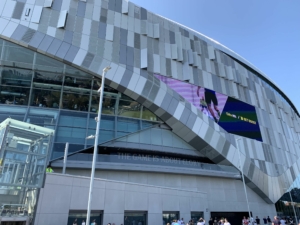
[238,148]
[101,90]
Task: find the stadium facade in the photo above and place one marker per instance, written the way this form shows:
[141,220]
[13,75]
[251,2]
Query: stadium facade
[178,107]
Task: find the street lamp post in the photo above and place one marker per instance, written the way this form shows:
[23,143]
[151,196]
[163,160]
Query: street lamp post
[237,143]
[101,90]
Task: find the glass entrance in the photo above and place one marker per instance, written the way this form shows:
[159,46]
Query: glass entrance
[135,218]
[168,217]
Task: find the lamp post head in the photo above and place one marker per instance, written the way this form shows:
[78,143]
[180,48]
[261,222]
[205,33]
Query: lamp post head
[106,69]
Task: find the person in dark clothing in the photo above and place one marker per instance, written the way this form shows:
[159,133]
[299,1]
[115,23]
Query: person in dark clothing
[265,220]
[257,220]
[269,220]
[211,221]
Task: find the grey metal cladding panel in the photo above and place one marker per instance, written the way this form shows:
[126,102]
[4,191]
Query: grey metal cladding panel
[191,120]
[129,56]
[293,173]
[143,14]
[56,5]
[62,51]
[185,115]
[36,39]
[173,105]
[166,102]
[168,67]
[144,73]
[18,10]
[251,171]
[68,36]
[102,30]
[147,88]
[103,15]
[118,6]
[197,143]
[53,48]
[137,41]
[218,159]
[81,9]
[123,36]
[19,32]
[122,58]
[46,43]
[71,54]
[225,149]
[28,35]
[88,60]
[111,5]
[126,78]
[153,92]
[165,116]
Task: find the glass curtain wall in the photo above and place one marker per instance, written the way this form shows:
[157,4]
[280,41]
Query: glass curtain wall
[289,201]
[40,90]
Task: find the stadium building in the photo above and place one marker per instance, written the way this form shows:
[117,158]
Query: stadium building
[178,108]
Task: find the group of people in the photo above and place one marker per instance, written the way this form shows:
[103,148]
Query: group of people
[268,221]
[83,222]
[201,221]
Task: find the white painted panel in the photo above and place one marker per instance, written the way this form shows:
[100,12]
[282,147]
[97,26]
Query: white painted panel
[144,58]
[124,21]
[2,5]
[82,0]
[9,29]
[211,52]
[48,3]
[65,5]
[190,56]
[3,24]
[79,57]
[109,32]
[167,50]
[156,61]
[174,69]
[174,53]
[62,19]
[36,14]
[149,29]
[84,43]
[117,21]
[8,8]
[96,13]
[51,31]
[130,39]
[125,6]
[196,59]
[86,26]
[155,30]
[179,54]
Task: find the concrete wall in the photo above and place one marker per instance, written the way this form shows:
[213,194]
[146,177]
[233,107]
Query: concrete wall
[151,192]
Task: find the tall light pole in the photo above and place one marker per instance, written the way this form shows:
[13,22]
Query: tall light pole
[238,148]
[98,119]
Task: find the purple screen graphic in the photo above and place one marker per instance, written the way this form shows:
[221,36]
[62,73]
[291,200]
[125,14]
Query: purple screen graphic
[200,97]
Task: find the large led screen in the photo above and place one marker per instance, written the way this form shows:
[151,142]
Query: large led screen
[232,115]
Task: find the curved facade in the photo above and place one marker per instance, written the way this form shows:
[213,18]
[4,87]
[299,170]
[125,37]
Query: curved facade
[172,97]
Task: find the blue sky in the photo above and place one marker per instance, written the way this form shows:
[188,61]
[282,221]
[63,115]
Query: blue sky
[264,32]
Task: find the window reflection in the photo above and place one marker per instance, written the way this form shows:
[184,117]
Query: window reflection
[148,115]
[135,218]
[129,108]
[108,104]
[46,90]
[14,95]
[16,77]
